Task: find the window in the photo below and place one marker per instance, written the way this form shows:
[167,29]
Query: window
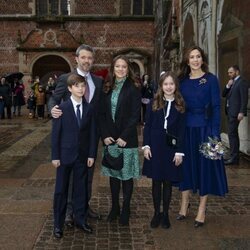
[53,7]
[137,7]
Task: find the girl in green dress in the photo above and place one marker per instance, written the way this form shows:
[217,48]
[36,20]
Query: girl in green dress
[119,116]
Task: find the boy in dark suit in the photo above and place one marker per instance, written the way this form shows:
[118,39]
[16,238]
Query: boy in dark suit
[73,148]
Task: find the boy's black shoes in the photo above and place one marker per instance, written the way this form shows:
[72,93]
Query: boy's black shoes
[58,233]
[86,228]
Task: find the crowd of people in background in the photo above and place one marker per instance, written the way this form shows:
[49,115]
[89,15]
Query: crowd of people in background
[14,97]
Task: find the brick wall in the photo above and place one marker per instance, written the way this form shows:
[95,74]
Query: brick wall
[96,7]
[13,7]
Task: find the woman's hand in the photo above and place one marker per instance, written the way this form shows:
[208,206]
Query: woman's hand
[90,162]
[121,142]
[108,141]
[147,153]
[56,163]
[177,160]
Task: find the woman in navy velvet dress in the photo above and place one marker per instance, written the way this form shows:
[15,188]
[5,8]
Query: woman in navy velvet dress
[163,134]
[201,93]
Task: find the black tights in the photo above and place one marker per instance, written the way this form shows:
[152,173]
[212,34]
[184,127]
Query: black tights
[158,195]
[127,188]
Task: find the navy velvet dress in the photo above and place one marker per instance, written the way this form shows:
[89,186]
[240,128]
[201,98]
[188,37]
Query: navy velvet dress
[202,98]
[161,165]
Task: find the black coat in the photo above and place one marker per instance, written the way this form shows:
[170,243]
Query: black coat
[62,93]
[126,117]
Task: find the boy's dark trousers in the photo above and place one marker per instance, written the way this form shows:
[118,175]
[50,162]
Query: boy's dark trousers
[80,193]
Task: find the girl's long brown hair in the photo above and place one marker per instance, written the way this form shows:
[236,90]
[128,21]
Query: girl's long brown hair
[185,68]
[158,102]
[110,81]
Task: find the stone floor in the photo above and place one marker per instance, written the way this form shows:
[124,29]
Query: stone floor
[27,182]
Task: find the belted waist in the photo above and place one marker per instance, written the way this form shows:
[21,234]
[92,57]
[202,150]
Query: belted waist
[196,111]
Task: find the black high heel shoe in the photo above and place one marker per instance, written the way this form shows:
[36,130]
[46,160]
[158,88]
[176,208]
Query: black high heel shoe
[198,224]
[181,216]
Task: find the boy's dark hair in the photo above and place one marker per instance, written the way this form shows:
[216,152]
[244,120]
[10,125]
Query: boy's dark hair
[74,79]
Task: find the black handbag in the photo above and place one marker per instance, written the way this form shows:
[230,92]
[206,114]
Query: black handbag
[109,161]
[171,140]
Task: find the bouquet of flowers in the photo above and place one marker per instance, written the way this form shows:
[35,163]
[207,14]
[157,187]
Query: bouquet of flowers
[213,149]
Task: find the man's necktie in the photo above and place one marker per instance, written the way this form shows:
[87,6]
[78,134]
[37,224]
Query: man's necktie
[86,95]
[78,114]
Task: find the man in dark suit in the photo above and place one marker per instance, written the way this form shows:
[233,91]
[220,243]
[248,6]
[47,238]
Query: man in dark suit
[84,58]
[73,150]
[236,93]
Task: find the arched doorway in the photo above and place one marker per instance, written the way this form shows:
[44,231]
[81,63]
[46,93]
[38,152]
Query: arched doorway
[188,32]
[49,66]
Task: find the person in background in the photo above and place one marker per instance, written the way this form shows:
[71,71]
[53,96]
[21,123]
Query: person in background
[18,96]
[163,144]
[236,94]
[40,102]
[35,85]
[147,93]
[31,104]
[7,99]
[201,93]
[119,115]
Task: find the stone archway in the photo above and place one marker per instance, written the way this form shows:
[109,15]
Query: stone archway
[49,66]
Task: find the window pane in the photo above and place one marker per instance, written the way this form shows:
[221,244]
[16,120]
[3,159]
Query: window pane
[54,7]
[64,7]
[148,7]
[126,7]
[137,7]
[42,8]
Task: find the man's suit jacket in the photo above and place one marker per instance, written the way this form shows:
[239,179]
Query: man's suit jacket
[126,117]
[70,142]
[62,93]
[236,97]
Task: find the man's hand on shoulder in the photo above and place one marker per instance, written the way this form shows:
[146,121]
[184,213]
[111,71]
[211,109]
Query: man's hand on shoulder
[56,112]
[90,162]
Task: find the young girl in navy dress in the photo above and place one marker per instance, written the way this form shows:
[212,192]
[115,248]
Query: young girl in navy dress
[162,145]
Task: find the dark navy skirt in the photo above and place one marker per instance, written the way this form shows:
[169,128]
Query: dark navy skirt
[199,173]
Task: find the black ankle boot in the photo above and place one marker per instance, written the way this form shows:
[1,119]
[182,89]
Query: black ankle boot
[124,218]
[165,221]
[113,214]
[156,220]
